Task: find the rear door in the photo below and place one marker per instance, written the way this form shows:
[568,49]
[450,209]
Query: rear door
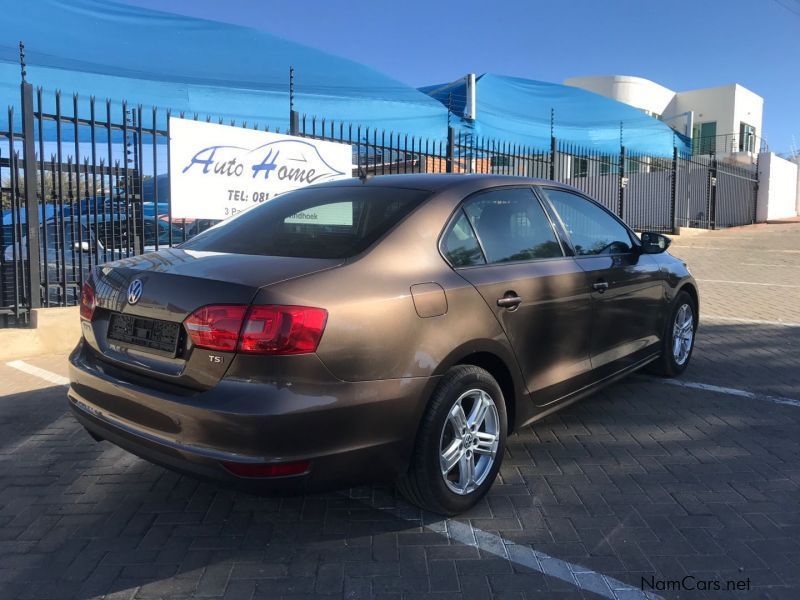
[503,242]
[626,285]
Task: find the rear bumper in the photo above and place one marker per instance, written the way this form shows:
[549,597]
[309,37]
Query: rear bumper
[352,432]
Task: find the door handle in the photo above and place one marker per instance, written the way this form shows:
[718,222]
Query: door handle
[600,286]
[510,302]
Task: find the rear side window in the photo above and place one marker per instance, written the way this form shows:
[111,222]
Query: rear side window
[592,230]
[326,222]
[460,245]
[512,226]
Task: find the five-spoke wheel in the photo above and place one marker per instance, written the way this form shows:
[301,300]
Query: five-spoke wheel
[460,442]
[469,440]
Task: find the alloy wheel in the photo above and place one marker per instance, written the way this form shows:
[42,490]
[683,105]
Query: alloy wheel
[469,441]
[682,334]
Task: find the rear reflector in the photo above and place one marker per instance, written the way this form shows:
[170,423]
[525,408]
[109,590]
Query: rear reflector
[267,469]
[282,330]
[216,327]
[88,301]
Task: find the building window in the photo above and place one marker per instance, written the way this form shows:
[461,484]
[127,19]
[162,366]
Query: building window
[633,165]
[747,137]
[500,160]
[704,138]
[580,167]
[607,166]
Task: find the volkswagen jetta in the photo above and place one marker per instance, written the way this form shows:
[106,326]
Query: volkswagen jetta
[393,328]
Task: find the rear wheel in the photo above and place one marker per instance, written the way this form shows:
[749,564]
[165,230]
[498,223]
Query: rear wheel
[460,443]
[677,341]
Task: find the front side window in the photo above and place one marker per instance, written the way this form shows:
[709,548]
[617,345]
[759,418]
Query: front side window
[512,226]
[593,231]
[324,222]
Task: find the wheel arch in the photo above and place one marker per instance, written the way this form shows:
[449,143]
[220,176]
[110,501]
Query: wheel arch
[690,288]
[500,363]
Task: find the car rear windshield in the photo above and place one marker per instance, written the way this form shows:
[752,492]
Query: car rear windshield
[325,222]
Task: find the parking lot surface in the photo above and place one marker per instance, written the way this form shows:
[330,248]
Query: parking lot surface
[647,489]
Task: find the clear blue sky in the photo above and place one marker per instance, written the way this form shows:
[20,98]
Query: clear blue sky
[681,44]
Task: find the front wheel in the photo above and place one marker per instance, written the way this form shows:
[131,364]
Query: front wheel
[678,339]
[460,443]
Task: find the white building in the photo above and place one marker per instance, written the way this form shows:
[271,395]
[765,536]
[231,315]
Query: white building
[724,120]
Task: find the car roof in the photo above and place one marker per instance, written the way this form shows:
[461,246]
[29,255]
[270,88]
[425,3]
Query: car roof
[438,182]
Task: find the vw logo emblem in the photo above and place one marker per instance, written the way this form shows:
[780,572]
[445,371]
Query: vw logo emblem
[135,291]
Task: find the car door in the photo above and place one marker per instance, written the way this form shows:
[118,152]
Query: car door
[626,285]
[504,243]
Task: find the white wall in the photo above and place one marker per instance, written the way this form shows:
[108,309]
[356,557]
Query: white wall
[777,188]
[635,91]
[726,105]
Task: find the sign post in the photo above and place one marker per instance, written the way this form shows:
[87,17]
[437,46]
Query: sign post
[219,170]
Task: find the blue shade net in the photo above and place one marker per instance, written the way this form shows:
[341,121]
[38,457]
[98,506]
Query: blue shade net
[202,67]
[518,111]
[218,70]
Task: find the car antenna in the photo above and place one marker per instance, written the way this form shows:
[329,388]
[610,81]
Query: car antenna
[363,175]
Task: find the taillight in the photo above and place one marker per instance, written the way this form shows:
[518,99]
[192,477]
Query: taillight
[88,301]
[282,330]
[259,329]
[216,327]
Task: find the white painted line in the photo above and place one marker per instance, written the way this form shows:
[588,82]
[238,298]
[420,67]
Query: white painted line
[519,554]
[707,387]
[49,376]
[525,556]
[769,265]
[704,318]
[783,285]
[687,247]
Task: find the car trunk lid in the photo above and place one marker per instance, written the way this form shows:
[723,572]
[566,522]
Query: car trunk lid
[140,327]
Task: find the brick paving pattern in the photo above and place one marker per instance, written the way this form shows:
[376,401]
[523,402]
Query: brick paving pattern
[642,480]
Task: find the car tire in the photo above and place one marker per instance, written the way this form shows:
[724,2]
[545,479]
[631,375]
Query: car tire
[444,459]
[674,359]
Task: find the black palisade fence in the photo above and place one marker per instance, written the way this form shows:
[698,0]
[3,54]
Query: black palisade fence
[86,181]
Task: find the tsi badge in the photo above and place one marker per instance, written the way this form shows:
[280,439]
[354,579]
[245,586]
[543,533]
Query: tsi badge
[135,291]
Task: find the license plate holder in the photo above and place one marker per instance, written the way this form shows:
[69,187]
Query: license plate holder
[155,335]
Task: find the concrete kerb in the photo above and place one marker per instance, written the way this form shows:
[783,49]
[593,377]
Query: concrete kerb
[52,331]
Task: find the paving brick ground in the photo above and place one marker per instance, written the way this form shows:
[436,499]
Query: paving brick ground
[642,480]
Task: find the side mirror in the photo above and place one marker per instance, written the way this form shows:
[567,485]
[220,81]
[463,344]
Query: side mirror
[654,243]
[81,246]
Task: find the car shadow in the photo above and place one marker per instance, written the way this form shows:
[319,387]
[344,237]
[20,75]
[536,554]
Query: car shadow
[642,479]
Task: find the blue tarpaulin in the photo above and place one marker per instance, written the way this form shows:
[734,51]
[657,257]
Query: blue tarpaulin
[518,110]
[121,52]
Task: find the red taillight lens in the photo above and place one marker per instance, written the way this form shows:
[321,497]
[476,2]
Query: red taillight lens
[282,330]
[267,469]
[259,330]
[88,301]
[216,327]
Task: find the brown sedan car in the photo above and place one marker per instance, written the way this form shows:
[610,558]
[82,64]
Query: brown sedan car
[395,328]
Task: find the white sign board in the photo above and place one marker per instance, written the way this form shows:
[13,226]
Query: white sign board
[217,171]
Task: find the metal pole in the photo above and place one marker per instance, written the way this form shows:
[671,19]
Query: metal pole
[673,219]
[622,182]
[712,199]
[294,116]
[553,156]
[31,201]
[755,187]
[450,149]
